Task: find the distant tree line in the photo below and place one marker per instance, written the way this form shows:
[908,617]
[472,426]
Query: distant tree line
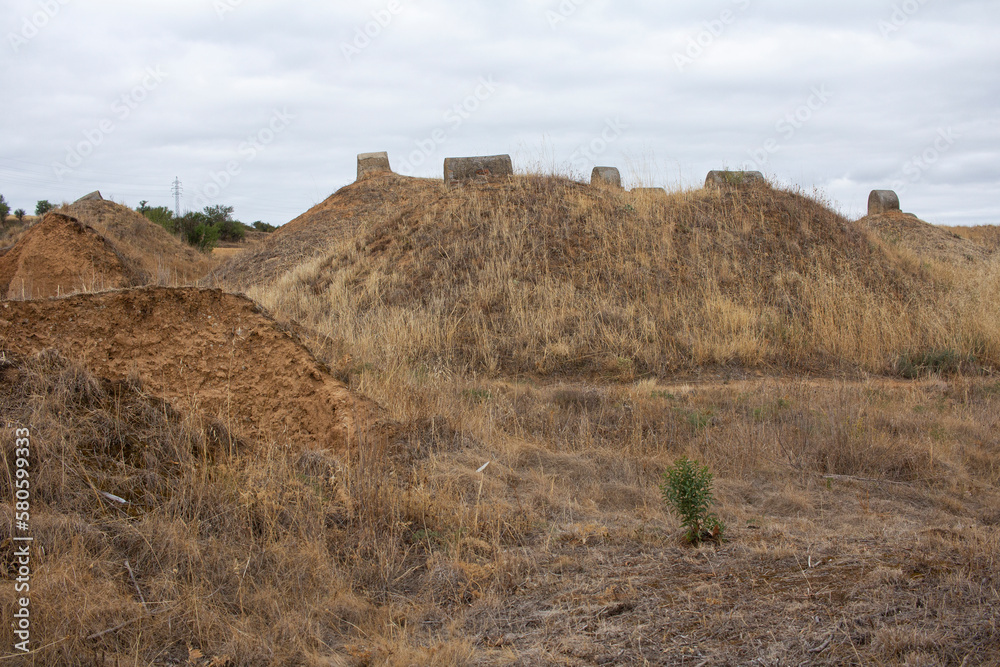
[203,229]
[42,208]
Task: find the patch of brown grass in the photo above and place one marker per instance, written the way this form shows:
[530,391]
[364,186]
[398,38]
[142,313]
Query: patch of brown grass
[841,499]
[986,235]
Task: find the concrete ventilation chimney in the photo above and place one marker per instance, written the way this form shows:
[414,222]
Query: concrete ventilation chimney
[882,201]
[719,179]
[93,196]
[467,168]
[373,162]
[606,176]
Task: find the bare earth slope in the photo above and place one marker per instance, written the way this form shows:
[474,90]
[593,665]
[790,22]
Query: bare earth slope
[61,255]
[376,197]
[199,349]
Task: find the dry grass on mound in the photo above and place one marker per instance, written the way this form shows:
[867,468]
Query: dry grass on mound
[943,244]
[986,235]
[313,232]
[862,522]
[545,277]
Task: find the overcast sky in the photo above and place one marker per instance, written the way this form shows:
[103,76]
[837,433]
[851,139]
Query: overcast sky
[265,106]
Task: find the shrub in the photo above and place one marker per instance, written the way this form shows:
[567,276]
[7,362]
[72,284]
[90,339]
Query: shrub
[43,207]
[204,237]
[687,488]
[161,215]
[263,226]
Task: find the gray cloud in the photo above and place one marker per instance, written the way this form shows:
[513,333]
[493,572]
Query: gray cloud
[377,75]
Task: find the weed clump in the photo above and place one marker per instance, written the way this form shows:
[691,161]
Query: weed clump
[687,489]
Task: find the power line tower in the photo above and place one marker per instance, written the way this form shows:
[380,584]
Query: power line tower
[177,190]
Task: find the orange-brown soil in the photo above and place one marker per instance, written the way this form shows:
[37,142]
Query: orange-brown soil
[204,350]
[61,255]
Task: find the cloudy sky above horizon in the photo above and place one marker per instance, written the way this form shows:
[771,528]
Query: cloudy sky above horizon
[265,106]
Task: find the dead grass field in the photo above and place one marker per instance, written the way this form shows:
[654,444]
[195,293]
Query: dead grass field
[842,389]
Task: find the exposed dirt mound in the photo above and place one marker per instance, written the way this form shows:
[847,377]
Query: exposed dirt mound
[908,231]
[200,349]
[166,259]
[61,255]
[379,196]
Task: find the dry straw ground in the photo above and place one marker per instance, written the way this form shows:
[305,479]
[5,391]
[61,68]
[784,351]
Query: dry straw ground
[841,387]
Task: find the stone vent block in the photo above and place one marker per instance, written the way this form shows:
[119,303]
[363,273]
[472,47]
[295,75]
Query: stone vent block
[93,196]
[369,163]
[606,176]
[882,201]
[725,178]
[468,168]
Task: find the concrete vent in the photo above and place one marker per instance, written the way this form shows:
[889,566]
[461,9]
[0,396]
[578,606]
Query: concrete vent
[93,196]
[719,179]
[882,201]
[373,162]
[606,176]
[466,168]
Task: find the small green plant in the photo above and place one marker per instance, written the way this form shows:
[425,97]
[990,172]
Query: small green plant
[699,420]
[939,362]
[687,489]
[477,395]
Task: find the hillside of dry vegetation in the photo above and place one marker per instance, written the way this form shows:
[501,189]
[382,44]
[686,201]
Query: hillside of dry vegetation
[906,231]
[521,362]
[311,233]
[541,276]
[986,235]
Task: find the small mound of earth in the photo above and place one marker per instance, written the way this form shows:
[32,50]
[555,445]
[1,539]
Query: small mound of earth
[61,255]
[204,351]
[908,231]
[162,256]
